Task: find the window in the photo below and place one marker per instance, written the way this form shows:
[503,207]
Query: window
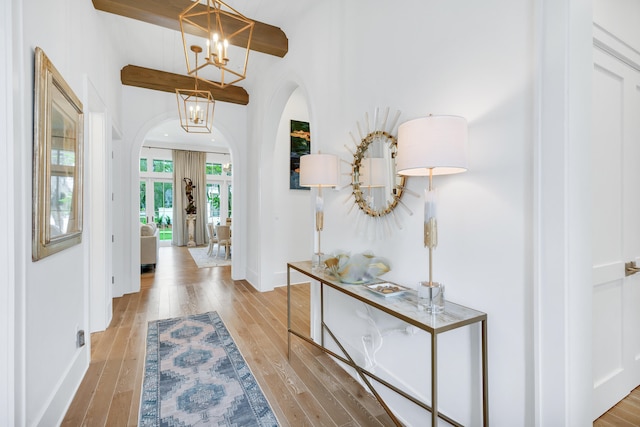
[213,205]
[156,191]
[162,165]
[213,169]
[163,207]
[143,202]
[62,163]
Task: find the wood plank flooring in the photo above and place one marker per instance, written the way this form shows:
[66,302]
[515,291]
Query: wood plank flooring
[625,414]
[309,390]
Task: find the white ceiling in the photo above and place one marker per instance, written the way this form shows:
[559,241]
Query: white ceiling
[159,48]
[170,135]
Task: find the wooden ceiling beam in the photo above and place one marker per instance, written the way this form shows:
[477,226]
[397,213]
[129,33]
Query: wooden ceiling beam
[147,78]
[266,38]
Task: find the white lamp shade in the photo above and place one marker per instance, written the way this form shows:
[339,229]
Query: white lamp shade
[372,172]
[318,170]
[438,143]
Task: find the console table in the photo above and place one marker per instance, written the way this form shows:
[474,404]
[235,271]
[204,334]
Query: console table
[405,308]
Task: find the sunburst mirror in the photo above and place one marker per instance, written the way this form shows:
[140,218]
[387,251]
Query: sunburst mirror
[377,188]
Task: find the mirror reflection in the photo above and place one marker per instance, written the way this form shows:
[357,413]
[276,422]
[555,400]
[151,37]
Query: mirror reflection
[376,185]
[63,170]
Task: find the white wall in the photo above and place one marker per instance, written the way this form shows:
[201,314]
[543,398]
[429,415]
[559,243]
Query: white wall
[436,66]
[620,18]
[7,216]
[475,60]
[289,211]
[479,61]
[52,294]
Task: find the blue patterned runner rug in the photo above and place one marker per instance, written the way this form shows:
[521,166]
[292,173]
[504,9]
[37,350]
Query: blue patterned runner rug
[195,375]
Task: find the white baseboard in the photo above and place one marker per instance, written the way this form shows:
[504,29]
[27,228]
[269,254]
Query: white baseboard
[61,398]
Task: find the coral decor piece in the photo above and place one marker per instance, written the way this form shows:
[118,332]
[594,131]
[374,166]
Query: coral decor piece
[359,268]
[188,189]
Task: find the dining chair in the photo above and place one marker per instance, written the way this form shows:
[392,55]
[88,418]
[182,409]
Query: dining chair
[212,238]
[223,234]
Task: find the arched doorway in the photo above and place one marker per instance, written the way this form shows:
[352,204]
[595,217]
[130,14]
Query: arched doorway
[156,126]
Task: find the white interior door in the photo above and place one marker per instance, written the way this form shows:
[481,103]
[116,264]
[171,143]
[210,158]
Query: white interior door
[616,229]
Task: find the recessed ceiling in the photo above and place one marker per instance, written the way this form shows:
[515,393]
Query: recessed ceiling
[169,134]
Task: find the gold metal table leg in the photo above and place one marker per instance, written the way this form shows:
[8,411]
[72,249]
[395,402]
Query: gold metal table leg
[289,313]
[434,379]
[485,378]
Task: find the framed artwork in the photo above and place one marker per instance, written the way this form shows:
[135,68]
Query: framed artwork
[300,145]
[57,162]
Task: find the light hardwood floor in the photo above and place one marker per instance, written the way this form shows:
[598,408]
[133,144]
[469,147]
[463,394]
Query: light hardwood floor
[310,390]
[625,414]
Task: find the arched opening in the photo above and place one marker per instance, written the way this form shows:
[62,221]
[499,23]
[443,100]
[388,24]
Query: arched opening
[155,143]
[286,232]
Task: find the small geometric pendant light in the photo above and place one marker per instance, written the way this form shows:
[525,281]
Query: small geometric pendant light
[195,106]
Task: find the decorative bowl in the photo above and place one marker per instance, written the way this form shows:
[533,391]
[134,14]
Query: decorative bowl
[356,269]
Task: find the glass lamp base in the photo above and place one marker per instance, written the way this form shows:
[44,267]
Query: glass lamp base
[431,297]
[317,261]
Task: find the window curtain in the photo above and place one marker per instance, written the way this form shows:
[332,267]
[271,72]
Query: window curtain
[189,164]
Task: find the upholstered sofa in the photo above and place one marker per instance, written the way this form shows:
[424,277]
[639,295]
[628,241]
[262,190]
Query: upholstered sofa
[149,243]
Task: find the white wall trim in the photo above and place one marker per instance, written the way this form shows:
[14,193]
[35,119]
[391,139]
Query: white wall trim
[54,411]
[99,292]
[561,304]
[609,43]
[134,178]
[7,248]
[20,256]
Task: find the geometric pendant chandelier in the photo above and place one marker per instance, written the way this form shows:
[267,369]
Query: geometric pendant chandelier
[195,106]
[224,35]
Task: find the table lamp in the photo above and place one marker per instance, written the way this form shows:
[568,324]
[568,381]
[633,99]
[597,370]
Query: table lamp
[427,146]
[319,170]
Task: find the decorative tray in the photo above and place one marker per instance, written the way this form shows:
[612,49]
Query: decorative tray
[386,289]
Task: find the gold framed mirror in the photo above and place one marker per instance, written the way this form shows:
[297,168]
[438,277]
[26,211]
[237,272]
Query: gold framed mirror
[377,187]
[57,162]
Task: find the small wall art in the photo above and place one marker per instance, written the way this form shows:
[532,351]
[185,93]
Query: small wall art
[300,145]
